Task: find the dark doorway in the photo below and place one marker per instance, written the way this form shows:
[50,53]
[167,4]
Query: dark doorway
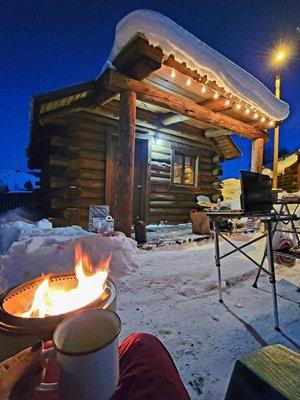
[140,186]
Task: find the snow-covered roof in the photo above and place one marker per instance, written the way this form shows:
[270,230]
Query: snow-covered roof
[175,40]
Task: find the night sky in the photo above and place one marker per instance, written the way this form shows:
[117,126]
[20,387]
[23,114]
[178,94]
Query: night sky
[49,44]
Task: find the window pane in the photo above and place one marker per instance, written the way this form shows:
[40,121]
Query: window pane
[189,171]
[178,168]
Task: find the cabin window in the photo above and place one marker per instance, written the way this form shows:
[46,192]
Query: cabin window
[184,167]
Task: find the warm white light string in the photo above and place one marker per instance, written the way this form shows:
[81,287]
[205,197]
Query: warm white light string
[228,102]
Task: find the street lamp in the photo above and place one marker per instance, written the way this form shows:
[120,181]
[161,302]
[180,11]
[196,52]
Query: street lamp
[280,56]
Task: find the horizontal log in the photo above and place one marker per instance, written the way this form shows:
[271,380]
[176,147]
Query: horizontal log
[59,161]
[60,222]
[156,166]
[61,141]
[73,214]
[72,151]
[181,106]
[218,158]
[160,181]
[172,204]
[57,182]
[173,196]
[161,174]
[170,211]
[93,155]
[160,157]
[158,188]
[161,149]
[57,203]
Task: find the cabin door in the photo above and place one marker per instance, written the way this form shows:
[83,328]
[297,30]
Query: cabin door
[140,186]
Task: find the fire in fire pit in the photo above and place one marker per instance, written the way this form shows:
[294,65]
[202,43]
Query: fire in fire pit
[51,299]
[32,310]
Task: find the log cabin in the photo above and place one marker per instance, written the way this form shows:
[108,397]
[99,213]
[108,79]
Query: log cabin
[146,137]
[289,172]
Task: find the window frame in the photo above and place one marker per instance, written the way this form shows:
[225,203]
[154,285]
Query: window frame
[184,152]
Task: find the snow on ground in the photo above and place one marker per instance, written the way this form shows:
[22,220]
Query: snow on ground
[174,296]
[175,40]
[15,179]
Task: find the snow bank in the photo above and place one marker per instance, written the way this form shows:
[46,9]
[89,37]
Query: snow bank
[38,248]
[231,193]
[173,39]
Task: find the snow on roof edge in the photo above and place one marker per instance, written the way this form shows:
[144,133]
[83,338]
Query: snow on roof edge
[173,39]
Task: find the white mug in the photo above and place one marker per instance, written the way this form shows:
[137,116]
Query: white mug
[86,348]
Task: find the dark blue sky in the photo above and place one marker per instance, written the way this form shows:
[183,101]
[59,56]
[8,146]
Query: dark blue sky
[49,44]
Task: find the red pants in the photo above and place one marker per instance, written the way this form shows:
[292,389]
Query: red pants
[147,372]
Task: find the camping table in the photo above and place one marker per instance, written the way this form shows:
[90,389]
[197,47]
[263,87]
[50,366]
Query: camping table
[221,215]
[284,209]
[217,217]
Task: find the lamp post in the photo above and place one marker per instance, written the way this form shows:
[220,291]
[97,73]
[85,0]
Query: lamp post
[279,59]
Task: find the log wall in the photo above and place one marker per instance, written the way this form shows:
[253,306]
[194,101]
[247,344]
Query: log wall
[73,175]
[290,180]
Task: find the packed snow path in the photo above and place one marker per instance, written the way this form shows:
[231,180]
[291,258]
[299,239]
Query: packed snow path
[174,296]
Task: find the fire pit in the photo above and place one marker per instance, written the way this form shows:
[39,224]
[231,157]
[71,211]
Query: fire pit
[33,309]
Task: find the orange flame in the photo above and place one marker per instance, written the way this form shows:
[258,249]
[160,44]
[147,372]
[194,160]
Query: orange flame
[49,300]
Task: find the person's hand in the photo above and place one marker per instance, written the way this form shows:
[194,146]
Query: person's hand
[22,372]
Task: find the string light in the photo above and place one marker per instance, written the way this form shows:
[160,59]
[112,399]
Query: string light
[238,106]
[173,73]
[263,119]
[227,102]
[216,95]
[255,116]
[188,82]
[247,111]
[271,123]
[203,90]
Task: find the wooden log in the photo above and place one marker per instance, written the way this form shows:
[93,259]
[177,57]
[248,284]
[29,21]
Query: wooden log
[217,185]
[157,188]
[181,106]
[173,196]
[59,161]
[160,181]
[160,174]
[160,167]
[61,141]
[161,149]
[58,203]
[72,151]
[217,171]
[257,154]
[71,172]
[170,211]
[161,157]
[172,204]
[218,158]
[58,182]
[125,174]
[72,214]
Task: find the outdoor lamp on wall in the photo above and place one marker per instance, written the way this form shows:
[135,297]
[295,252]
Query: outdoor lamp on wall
[157,140]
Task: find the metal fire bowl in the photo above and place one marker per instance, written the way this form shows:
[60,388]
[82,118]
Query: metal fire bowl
[17,333]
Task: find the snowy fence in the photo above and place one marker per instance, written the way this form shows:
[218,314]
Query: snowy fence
[11,200]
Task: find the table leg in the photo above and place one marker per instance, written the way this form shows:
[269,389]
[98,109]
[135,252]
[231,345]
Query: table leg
[217,257]
[272,273]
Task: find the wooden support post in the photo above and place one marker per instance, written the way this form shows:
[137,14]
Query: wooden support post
[125,173]
[257,155]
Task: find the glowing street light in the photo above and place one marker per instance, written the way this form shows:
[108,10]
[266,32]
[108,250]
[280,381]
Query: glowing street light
[279,58]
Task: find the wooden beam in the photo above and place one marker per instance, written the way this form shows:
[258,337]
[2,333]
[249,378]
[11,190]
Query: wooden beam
[139,59]
[212,133]
[257,155]
[125,174]
[183,106]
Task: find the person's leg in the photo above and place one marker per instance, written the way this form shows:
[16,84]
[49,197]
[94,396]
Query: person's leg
[147,371]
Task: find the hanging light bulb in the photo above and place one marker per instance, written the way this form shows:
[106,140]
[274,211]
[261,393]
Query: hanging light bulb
[173,73]
[216,95]
[227,102]
[238,106]
[271,123]
[263,119]
[247,111]
[188,82]
[203,90]
[255,116]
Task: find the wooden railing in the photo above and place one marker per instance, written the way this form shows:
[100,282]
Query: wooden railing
[11,200]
